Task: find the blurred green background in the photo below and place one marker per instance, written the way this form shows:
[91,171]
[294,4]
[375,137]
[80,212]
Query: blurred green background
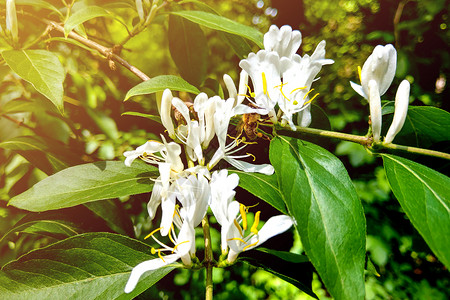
[93,128]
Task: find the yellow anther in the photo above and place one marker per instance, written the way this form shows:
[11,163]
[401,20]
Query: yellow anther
[310,100]
[359,73]
[300,88]
[306,95]
[251,245]
[175,248]
[153,232]
[238,227]
[254,157]
[280,85]
[264,80]
[250,91]
[242,209]
[295,102]
[160,256]
[255,223]
[238,239]
[153,251]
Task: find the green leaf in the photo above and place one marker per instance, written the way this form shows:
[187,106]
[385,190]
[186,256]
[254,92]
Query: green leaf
[42,69]
[87,266]
[283,264]
[47,155]
[40,4]
[220,23]
[189,49]
[238,44]
[86,183]
[329,216]
[262,186]
[424,195]
[147,116]
[113,213]
[82,15]
[424,126]
[160,83]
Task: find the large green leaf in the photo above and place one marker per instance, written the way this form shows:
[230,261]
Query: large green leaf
[87,266]
[283,264]
[262,186]
[329,216]
[160,83]
[220,23]
[82,15]
[188,48]
[86,183]
[424,195]
[42,69]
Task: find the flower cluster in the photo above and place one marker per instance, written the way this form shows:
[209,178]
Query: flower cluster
[187,187]
[376,77]
[282,79]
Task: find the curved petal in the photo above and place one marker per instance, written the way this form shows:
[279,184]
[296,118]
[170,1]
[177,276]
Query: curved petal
[248,167]
[274,226]
[148,265]
[166,109]
[401,109]
[375,109]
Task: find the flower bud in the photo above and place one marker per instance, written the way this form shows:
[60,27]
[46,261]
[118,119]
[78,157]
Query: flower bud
[401,109]
[375,109]
[166,109]
[11,19]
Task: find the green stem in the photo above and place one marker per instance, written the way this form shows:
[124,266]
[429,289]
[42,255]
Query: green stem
[368,142]
[209,260]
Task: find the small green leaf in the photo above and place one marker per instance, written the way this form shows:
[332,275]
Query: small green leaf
[42,69]
[86,183]
[82,15]
[424,195]
[147,116]
[283,264]
[86,266]
[220,23]
[160,83]
[329,216]
[189,49]
[262,186]
[238,44]
[40,4]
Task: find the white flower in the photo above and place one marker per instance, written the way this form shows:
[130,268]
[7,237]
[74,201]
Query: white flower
[183,245]
[224,112]
[401,109]
[166,109]
[222,193]
[284,41]
[264,70]
[298,76]
[380,66]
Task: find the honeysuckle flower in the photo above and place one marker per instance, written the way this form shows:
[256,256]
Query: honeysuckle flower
[264,70]
[222,193]
[237,94]
[401,109]
[166,109]
[240,239]
[224,111]
[380,66]
[184,248]
[298,76]
[375,110]
[283,41]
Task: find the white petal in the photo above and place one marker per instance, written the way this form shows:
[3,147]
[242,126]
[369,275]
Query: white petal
[229,83]
[401,109]
[248,167]
[359,89]
[145,266]
[274,226]
[375,110]
[166,109]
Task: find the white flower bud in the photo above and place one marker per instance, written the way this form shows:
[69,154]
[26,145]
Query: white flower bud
[166,109]
[401,109]
[11,19]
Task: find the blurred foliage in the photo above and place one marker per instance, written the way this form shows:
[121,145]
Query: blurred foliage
[93,129]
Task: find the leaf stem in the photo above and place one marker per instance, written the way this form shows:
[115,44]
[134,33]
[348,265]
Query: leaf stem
[415,150]
[209,260]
